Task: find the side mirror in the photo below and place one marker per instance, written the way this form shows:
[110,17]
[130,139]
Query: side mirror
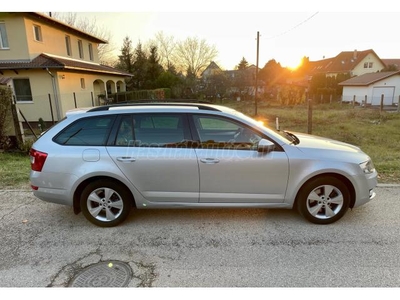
[265,146]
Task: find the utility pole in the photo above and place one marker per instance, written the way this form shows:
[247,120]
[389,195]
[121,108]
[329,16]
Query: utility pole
[256,85]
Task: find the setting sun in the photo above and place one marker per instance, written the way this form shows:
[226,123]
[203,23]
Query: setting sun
[295,66]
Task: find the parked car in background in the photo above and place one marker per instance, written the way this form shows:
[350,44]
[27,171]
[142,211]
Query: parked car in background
[104,161]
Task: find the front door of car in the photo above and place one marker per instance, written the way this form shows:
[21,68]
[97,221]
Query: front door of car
[154,153]
[231,168]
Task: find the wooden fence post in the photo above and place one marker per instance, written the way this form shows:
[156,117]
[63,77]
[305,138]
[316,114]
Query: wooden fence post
[19,135]
[382,97]
[309,119]
[398,105]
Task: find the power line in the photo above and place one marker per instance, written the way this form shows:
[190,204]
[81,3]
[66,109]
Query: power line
[293,28]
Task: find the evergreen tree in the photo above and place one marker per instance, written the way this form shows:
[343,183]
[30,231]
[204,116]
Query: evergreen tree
[139,68]
[125,60]
[242,65]
[154,68]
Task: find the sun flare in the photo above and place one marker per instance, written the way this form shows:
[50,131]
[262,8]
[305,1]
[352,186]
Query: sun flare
[295,66]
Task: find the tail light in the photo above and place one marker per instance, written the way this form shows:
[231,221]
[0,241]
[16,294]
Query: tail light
[37,159]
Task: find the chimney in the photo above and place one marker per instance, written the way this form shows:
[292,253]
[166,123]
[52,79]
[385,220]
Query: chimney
[355,54]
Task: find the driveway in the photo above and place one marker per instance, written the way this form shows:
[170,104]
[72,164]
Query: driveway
[46,245]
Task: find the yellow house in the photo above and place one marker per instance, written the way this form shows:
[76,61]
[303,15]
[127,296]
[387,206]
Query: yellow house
[53,67]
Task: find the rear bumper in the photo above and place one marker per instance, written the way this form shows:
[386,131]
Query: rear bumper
[58,196]
[52,187]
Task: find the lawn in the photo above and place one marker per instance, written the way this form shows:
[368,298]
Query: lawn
[378,134]
[14,170]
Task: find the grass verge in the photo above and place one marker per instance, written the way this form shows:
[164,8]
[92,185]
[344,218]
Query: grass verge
[376,133]
[14,170]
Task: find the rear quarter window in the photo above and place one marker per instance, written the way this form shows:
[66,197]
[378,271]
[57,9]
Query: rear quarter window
[91,131]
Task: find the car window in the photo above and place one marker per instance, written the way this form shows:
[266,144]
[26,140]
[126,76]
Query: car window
[91,131]
[161,130]
[221,133]
[125,132]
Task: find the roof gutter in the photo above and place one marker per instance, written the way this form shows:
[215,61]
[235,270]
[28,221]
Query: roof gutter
[56,100]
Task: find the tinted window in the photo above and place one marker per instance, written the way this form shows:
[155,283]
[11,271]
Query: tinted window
[86,132]
[125,132]
[161,130]
[222,133]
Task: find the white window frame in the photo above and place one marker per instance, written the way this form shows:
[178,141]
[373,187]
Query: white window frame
[30,88]
[37,35]
[3,38]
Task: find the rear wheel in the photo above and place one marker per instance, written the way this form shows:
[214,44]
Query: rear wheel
[106,203]
[323,200]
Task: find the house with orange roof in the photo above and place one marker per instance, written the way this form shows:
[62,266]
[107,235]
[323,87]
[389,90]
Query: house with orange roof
[354,63]
[52,67]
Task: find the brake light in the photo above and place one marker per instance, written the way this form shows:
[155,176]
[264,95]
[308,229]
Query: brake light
[37,159]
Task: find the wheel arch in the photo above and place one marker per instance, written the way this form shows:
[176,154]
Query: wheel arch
[81,186]
[340,177]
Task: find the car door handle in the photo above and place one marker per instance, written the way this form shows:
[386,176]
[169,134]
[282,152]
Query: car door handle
[209,161]
[126,159]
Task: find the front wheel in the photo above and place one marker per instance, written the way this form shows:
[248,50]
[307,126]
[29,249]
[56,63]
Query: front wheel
[105,203]
[323,200]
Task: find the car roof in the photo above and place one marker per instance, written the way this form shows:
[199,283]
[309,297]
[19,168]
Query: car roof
[150,106]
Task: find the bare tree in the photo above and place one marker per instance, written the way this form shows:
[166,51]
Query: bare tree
[193,56]
[106,51]
[166,46]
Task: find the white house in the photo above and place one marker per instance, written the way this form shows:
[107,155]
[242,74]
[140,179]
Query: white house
[370,87]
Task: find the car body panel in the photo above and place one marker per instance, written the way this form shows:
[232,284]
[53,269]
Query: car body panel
[242,176]
[161,174]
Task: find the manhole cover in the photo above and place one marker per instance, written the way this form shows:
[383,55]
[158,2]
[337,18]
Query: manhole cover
[103,274]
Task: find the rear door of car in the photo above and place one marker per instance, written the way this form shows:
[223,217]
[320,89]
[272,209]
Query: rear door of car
[154,152]
[231,168]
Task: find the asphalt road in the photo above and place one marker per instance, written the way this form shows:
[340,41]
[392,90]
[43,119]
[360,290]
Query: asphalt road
[46,245]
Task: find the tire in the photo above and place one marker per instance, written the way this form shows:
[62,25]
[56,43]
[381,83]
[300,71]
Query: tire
[323,200]
[105,203]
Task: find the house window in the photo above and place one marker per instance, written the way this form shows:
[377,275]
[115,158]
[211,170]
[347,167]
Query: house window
[83,86]
[22,88]
[90,51]
[68,45]
[37,33]
[3,37]
[80,47]
[368,65]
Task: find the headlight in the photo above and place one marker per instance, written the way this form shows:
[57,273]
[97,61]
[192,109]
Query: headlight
[367,167]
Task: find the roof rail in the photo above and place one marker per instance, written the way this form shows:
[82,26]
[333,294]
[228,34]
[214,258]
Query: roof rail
[199,105]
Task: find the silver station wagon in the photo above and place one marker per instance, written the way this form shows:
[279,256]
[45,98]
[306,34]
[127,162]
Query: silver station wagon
[105,160]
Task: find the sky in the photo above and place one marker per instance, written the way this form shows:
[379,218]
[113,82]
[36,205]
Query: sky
[289,30]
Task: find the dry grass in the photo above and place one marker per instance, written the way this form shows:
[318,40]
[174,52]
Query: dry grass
[376,133]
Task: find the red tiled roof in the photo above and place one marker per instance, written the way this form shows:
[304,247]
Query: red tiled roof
[55,62]
[344,62]
[391,62]
[367,79]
